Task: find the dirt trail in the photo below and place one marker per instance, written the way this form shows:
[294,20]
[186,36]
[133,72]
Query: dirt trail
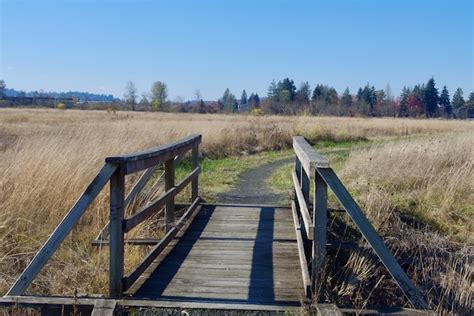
[252,187]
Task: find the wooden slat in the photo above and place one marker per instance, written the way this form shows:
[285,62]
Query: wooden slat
[104,308]
[309,158]
[155,206]
[308,224]
[145,177]
[62,230]
[133,276]
[195,164]
[146,159]
[301,253]
[369,233]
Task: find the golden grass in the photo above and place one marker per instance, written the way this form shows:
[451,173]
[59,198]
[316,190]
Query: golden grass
[47,158]
[419,194]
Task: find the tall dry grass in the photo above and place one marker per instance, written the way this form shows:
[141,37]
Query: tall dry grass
[47,158]
[419,195]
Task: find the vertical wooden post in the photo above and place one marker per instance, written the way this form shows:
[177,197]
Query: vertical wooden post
[195,164]
[320,226]
[116,246]
[169,184]
[305,185]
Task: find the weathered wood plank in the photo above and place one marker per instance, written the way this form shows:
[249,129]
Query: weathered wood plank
[133,276]
[169,184]
[320,215]
[104,308]
[62,230]
[116,246]
[303,207]
[309,158]
[369,233]
[301,253]
[146,159]
[195,164]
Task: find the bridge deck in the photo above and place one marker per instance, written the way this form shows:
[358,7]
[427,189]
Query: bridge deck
[231,254]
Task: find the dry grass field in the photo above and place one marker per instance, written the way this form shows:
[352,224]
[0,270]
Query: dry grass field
[47,158]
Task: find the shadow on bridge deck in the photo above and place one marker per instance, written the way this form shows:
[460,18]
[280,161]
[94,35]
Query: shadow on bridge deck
[231,254]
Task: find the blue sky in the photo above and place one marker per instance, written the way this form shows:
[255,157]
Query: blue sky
[97,46]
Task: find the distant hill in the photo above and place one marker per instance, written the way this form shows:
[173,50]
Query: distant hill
[81,96]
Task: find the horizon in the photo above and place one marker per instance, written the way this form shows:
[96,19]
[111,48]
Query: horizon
[86,46]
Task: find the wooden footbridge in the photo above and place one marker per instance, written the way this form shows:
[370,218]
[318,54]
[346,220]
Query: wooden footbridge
[212,256]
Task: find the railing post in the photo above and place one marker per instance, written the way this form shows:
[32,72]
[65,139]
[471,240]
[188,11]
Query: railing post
[305,185]
[169,184]
[116,246]
[320,227]
[195,164]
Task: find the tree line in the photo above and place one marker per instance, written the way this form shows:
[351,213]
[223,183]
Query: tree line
[283,97]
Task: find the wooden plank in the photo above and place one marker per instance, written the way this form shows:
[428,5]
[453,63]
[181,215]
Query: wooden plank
[153,208]
[309,158]
[158,203]
[62,230]
[301,253]
[328,310]
[133,276]
[195,164]
[146,159]
[169,184]
[104,308]
[320,215]
[308,224]
[369,233]
[116,246]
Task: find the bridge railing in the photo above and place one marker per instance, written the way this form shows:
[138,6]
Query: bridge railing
[311,223]
[114,171]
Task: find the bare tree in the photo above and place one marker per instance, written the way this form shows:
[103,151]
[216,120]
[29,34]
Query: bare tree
[131,94]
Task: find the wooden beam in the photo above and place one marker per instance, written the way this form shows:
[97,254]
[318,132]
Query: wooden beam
[301,253]
[146,159]
[377,244]
[155,252]
[104,308]
[169,184]
[155,206]
[116,246]
[320,215]
[309,158]
[195,164]
[308,224]
[62,230]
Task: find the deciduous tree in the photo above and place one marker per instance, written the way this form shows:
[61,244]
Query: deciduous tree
[159,94]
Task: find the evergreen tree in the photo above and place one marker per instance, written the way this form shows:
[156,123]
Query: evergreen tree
[346,99]
[243,98]
[303,94]
[445,102]
[470,105]
[458,100]
[228,102]
[430,98]
[272,90]
[3,86]
[403,111]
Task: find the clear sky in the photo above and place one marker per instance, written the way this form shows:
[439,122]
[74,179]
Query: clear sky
[97,46]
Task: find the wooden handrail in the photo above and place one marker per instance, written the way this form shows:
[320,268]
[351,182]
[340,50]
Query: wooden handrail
[308,223]
[146,159]
[310,159]
[62,230]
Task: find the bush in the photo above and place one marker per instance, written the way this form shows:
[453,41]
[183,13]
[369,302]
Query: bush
[61,106]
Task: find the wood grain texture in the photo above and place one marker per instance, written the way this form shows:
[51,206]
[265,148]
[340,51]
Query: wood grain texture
[223,260]
[309,158]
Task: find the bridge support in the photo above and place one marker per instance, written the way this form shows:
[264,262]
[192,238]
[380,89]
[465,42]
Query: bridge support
[116,246]
[319,241]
